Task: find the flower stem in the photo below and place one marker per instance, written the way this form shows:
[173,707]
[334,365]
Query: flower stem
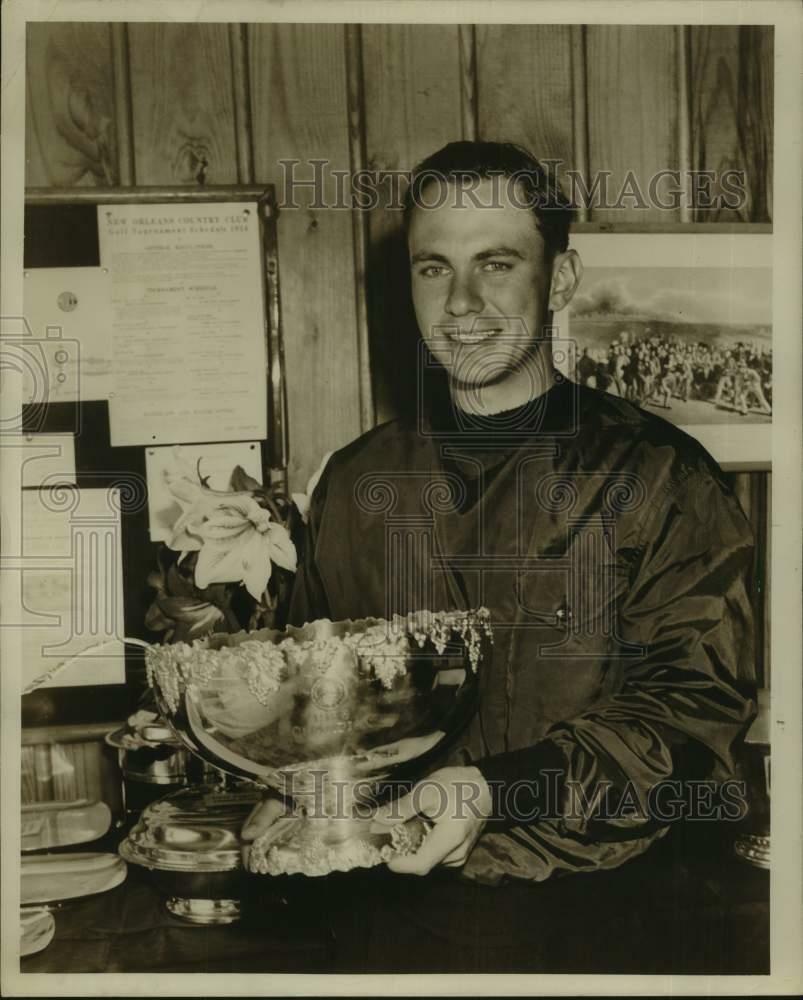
[231,618]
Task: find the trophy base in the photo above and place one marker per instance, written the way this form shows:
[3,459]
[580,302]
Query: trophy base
[316,846]
[753,848]
[204,911]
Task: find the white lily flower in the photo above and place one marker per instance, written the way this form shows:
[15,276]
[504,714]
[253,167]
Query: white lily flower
[235,538]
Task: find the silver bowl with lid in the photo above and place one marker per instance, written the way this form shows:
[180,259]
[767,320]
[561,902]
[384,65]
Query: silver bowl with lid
[190,842]
[153,761]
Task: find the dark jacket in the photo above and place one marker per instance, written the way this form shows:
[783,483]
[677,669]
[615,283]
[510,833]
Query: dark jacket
[613,558]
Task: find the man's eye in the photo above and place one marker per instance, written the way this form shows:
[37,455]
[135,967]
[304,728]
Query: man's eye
[495,266]
[433,271]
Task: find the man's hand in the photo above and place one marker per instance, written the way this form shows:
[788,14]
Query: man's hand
[271,817]
[458,802]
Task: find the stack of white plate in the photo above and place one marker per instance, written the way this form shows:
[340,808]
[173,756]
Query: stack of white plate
[47,879]
[61,824]
[37,927]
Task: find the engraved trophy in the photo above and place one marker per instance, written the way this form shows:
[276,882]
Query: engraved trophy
[324,716]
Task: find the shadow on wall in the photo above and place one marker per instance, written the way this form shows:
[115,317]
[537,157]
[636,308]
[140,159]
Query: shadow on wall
[394,336]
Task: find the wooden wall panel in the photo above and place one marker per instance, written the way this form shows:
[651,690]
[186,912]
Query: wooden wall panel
[412,87]
[756,43]
[412,92]
[632,111]
[732,113]
[36,141]
[183,105]
[299,111]
[766,611]
[524,87]
[70,134]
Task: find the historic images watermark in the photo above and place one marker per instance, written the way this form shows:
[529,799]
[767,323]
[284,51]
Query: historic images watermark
[525,801]
[65,560]
[42,365]
[316,184]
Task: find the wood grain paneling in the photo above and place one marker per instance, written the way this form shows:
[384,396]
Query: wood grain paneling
[37,140]
[183,104]
[413,106]
[716,144]
[732,114]
[355,81]
[122,104]
[766,610]
[70,134]
[682,103]
[524,87]
[578,34]
[469,111]
[757,100]
[632,114]
[412,92]
[241,91]
[299,112]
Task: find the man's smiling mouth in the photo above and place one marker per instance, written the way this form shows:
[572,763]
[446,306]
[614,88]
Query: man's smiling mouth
[474,336]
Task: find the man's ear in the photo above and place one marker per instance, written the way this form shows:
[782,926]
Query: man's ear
[567,270]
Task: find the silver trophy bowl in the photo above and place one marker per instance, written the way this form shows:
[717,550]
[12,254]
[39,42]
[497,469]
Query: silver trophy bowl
[329,717]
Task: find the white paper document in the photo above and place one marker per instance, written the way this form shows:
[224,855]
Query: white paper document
[70,581]
[207,464]
[188,322]
[68,312]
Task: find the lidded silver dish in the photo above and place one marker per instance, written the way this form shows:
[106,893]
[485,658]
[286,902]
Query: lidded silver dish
[190,842]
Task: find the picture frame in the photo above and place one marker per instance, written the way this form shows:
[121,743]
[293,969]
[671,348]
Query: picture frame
[680,324]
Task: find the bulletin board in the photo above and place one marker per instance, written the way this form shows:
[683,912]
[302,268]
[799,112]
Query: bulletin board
[64,232]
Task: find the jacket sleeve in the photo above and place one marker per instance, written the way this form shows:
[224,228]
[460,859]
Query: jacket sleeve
[676,716]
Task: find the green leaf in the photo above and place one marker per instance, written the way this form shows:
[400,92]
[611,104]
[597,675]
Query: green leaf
[192,612]
[240,481]
[217,593]
[155,620]
[181,585]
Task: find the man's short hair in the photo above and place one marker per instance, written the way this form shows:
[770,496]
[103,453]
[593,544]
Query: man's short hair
[535,187]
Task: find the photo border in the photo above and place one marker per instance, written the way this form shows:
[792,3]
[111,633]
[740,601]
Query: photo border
[787,509]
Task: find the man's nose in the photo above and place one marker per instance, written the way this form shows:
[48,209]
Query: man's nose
[463,297]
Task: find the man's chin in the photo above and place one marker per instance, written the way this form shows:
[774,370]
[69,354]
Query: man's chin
[483,369]
[476,382]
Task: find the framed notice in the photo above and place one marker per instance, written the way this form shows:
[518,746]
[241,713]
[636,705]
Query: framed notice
[187,318]
[187,329]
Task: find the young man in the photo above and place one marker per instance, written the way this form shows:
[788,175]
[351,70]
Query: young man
[604,542]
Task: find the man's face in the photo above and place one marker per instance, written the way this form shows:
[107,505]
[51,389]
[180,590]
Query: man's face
[481,282]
